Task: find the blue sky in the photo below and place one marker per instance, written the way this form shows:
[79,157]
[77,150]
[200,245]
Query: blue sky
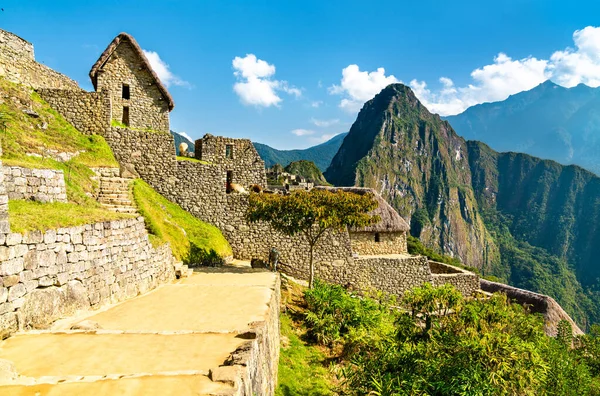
[292,74]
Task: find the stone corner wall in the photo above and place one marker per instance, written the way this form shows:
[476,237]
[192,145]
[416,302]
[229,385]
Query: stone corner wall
[88,112]
[18,65]
[42,185]
[255,363]
[464,281]
[49,275]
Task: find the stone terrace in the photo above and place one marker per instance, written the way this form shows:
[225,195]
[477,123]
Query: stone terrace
[215,333]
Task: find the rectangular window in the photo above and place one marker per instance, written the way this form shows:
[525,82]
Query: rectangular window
[125,119]
[377,237]
[229,181]
[126,94]
[229,151]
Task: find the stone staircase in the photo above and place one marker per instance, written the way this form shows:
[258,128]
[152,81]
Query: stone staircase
[114,191]
[182,270]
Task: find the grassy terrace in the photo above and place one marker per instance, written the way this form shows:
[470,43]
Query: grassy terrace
[29,216]
[192,240]
[21,134]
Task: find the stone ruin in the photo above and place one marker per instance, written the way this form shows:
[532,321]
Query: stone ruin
[130,109]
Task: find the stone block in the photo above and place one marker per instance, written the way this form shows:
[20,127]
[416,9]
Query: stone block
[10,280]
[33,237]
[13,239]
[16,291]
[11,267]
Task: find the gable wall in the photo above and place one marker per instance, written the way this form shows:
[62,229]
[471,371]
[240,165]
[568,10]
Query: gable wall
[147,107]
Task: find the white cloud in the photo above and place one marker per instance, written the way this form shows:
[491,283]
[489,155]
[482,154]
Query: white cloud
[359,86]
[490,83]
[316,104]
[504,77]
[302,132]
[185,135]
[581,65]
[324,123]
[162,70]
[255,85]
[323,138]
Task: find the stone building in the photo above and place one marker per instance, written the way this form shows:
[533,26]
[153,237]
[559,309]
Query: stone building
[238,158]
[388,236]
[137,97]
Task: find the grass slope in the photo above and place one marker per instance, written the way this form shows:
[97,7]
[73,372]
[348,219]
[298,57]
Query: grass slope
[192,240]
[302,364]
[29,216]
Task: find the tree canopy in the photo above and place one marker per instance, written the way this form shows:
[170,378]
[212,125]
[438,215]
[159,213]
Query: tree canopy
[312,213]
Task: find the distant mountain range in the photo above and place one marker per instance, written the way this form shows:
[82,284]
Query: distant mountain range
[548,121]
[532,223]
[320,154]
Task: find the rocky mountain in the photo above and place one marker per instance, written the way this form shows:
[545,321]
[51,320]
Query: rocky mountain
[320,154]
[549,121]
[309,170]
[532,223]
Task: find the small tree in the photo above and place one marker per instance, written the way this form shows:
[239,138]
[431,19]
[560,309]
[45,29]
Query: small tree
[312,213]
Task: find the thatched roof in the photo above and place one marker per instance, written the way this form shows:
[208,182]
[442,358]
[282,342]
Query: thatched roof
[540,303]
[124,37]
[390,221]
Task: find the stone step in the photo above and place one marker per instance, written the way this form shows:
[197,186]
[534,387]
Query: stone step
[120,208]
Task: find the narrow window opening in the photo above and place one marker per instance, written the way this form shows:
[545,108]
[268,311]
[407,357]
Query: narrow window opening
[126,93]
[229,151]
[229,181]
[125,119]
[377,238]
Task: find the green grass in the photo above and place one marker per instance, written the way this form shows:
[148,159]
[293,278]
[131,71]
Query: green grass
[192,240]
[301,366]
[25,135]
[29,216]
[179,158]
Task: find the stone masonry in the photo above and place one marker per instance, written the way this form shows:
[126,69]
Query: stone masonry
[387,242]
[52,274]
[17,64]
[42,185]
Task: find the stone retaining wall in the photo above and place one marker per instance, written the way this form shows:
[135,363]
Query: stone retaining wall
[253,367]
[464,281]
[18,65]
[42,185]
[88,112]
[49,275]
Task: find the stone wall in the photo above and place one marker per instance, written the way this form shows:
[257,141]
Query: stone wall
[253,367]
[18,65]
[88,112]
[243,161]
[42,185]
[464,281]
[49,275]
[147,107]
[364,243]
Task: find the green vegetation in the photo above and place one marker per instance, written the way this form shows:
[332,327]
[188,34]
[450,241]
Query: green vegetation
[301,367]
[443,344]
[312,213]
[32,140]
[192,241]
[307,169]
[28,215]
